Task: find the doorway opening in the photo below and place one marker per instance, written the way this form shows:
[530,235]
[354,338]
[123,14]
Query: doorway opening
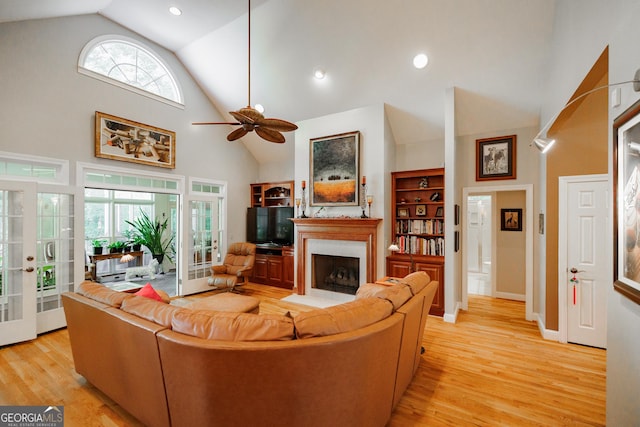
[106,213]
[479,245]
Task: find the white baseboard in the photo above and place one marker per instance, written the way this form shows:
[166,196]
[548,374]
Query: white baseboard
[507,295]
[546,333]
[452,317]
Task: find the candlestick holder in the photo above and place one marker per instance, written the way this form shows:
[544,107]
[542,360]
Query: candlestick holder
[303,202]
[363,200]
[297,207]
[369,202]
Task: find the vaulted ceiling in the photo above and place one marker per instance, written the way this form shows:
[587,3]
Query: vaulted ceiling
[492,51]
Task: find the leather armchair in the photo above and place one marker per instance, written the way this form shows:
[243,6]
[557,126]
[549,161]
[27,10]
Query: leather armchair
[236,268]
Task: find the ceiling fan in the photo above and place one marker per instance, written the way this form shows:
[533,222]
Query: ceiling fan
[249,119]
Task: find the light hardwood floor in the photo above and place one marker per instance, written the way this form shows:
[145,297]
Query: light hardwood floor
[491,368]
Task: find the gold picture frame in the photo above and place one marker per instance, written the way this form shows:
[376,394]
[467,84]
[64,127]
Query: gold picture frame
[403,212]
[421,210]
[121,139]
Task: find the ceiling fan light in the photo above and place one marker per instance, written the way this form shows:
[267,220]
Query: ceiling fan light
[420,61]
[259,108]
[175,11]
[319,74]
[544,144]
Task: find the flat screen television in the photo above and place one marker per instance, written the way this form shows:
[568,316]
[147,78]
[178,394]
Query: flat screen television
[270,225]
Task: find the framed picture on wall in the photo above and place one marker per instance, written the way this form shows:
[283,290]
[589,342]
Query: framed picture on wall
[511,219]
[496,158]
[626,182]
[128,141]
[334,169]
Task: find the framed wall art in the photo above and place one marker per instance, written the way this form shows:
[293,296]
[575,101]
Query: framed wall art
[626,182]
[511,219]
[403,212]
[334,170]
[128,141]
[496,158]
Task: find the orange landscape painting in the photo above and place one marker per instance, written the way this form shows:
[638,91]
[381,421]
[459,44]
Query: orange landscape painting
[342,191]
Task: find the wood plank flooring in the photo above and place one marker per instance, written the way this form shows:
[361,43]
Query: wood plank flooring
[491,368]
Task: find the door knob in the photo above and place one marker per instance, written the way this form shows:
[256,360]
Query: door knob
[28,269]
[30,258]
[575,270]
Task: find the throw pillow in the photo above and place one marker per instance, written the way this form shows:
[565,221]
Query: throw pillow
[148,292]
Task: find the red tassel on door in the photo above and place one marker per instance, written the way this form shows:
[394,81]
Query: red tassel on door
[574,294]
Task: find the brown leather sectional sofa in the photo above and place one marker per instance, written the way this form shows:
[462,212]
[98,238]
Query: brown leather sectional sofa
[346,365]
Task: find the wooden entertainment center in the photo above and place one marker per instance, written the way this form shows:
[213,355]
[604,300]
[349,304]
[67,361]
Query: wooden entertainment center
[274,266]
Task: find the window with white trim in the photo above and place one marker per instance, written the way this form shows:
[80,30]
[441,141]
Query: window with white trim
[131,65]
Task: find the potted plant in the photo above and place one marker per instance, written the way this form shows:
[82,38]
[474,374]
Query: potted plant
[150,233]
[117,246]
[97,246]
[133,239]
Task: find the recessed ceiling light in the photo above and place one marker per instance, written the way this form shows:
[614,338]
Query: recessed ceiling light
[420,60]
[259,108]
[319,74]
[175,11]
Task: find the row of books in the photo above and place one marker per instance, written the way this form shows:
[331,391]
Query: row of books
[420,226]
[421,246]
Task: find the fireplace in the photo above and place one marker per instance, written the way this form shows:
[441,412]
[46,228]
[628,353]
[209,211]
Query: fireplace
[354,238]
[335,273]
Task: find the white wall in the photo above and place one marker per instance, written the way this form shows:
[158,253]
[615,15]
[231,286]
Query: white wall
[47,108]
[623,316]
[375,141]
[583,28]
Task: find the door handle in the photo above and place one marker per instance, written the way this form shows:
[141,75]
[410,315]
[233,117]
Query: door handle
[28,269]
[575,270]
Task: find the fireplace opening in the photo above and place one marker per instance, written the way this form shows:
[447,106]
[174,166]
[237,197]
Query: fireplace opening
[335,273]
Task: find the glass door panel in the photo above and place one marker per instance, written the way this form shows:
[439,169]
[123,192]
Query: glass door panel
[202,247]
[17,262]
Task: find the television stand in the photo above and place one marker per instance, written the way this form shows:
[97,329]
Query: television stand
[274,265]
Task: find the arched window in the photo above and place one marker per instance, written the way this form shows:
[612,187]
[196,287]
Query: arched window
[128,64]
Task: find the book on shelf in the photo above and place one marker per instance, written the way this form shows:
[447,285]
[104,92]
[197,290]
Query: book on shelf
[416,245]
[419,226]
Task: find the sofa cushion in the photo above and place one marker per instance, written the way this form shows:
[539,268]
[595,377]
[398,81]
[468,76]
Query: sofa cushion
[416,281]
[101,293]
[397,294]
[150,309]
[342,318]
[227,326]
[147,291]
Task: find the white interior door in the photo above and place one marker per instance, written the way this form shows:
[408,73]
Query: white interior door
[587,270]
[58,253]
[17,262]
[201,240]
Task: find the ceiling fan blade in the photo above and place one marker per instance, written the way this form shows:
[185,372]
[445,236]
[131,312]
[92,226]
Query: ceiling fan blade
[277,124]
[216,123]
[270,135]
[242,118]
[237,134]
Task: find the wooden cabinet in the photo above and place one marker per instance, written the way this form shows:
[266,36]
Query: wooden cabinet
[417,218]
[267,194]
[398,266]
[274,266]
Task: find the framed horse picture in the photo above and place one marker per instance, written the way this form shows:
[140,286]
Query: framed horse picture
[496,158]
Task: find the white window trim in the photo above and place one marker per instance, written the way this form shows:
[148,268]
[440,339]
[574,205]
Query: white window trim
[83,168]
[113,37]
[62,165]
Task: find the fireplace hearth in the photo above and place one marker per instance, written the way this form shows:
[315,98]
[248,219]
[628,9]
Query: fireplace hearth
[336,273]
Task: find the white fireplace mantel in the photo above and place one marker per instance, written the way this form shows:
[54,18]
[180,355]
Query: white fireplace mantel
[337,229]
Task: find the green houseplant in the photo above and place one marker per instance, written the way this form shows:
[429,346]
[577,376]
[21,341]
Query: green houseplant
[97,245]
[150,233]
[117,246]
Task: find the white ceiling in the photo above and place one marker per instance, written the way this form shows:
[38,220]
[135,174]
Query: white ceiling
[492,51]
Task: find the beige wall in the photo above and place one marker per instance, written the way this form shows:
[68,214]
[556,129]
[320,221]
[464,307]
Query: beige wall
[510,247]
[581,149]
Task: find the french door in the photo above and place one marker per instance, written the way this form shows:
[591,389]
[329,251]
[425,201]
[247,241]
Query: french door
[201,238]
[38,253]
[17,262]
